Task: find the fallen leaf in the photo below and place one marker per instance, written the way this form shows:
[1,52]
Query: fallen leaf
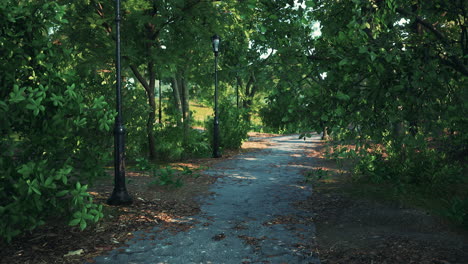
[74,253]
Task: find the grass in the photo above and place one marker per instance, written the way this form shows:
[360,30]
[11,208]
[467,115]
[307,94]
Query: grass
[200,112]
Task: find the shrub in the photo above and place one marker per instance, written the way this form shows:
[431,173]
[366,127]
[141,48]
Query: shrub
[54,125]
[170,144]
[233,126]
[421,171]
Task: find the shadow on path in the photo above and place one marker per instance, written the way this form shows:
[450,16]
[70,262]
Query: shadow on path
[248,219]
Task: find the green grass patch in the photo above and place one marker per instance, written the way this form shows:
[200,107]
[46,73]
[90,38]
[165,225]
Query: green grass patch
[200,112]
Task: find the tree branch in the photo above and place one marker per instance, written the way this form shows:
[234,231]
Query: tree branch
[455,62]
[100,11]
[426,24]
[140,77]
[318,58]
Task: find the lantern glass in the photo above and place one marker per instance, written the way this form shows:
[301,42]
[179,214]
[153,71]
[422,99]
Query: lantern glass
[215,40]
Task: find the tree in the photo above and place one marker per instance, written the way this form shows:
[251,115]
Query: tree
[153,42]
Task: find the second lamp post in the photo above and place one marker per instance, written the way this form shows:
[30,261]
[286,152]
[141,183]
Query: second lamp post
[215,40]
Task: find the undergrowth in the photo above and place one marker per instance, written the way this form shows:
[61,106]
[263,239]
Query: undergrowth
[414,173]
[171,176]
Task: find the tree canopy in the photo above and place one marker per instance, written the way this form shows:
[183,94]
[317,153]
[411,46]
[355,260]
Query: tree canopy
[376,73]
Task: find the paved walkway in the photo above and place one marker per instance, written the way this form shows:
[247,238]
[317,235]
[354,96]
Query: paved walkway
[250,219]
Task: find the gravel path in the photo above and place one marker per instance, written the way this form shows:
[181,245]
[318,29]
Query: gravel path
[249,219]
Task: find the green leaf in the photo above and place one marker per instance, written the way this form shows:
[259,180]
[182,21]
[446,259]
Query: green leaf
[362,49]
[342,96]
[36,190]
[77,214]
[25,170]
[31,106]
[310,3]
[88,217]
[82,224]
[365,25]
[74,222]
[48,181]
[94,211]
[61,193]
[339,111]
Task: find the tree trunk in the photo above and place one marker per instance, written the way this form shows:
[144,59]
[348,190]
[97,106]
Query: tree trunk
[185,109]
[250,90]
[160,101]
[149,88]
[152,113]
[238,84]
[177,101]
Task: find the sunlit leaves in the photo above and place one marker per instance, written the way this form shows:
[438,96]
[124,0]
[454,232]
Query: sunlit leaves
[52,129]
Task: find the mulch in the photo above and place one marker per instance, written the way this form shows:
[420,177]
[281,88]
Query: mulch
[152,206]
[159,206]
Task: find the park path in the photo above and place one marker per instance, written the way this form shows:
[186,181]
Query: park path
[249,218]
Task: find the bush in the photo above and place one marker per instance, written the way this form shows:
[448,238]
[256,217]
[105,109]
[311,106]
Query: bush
[420,171]
[233,126]
[425,169]
[54,133]
[170,144]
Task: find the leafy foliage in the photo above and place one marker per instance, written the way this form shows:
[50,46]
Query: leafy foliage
[381,73]
[233,126]
[54,135]
[316,174]
[171,146]
[166,177]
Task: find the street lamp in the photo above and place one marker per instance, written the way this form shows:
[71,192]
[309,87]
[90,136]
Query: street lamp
[215,40]
[119,195]
[160,102]
[163,47]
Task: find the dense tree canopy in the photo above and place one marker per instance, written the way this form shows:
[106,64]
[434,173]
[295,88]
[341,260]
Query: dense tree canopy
[378,73]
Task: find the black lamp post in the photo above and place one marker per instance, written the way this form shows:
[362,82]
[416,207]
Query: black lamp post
[160,102]
[215,40]
[119,195]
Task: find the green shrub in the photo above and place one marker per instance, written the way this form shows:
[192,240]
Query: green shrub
[167,176]
[426,169]
[170,143]
[233,126]
[456,210]
[316,174]
[421,172]
[55,126]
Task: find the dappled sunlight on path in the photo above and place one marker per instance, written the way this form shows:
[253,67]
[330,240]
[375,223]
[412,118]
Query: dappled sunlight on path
[249,218]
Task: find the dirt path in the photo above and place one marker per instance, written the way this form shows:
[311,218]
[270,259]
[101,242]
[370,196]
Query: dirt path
[258,211]
[249,219]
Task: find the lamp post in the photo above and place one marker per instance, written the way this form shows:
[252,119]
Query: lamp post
[215,40]
[160,102]
[160,92]
[119,195]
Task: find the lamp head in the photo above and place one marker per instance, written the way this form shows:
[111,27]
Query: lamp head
[215,40]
